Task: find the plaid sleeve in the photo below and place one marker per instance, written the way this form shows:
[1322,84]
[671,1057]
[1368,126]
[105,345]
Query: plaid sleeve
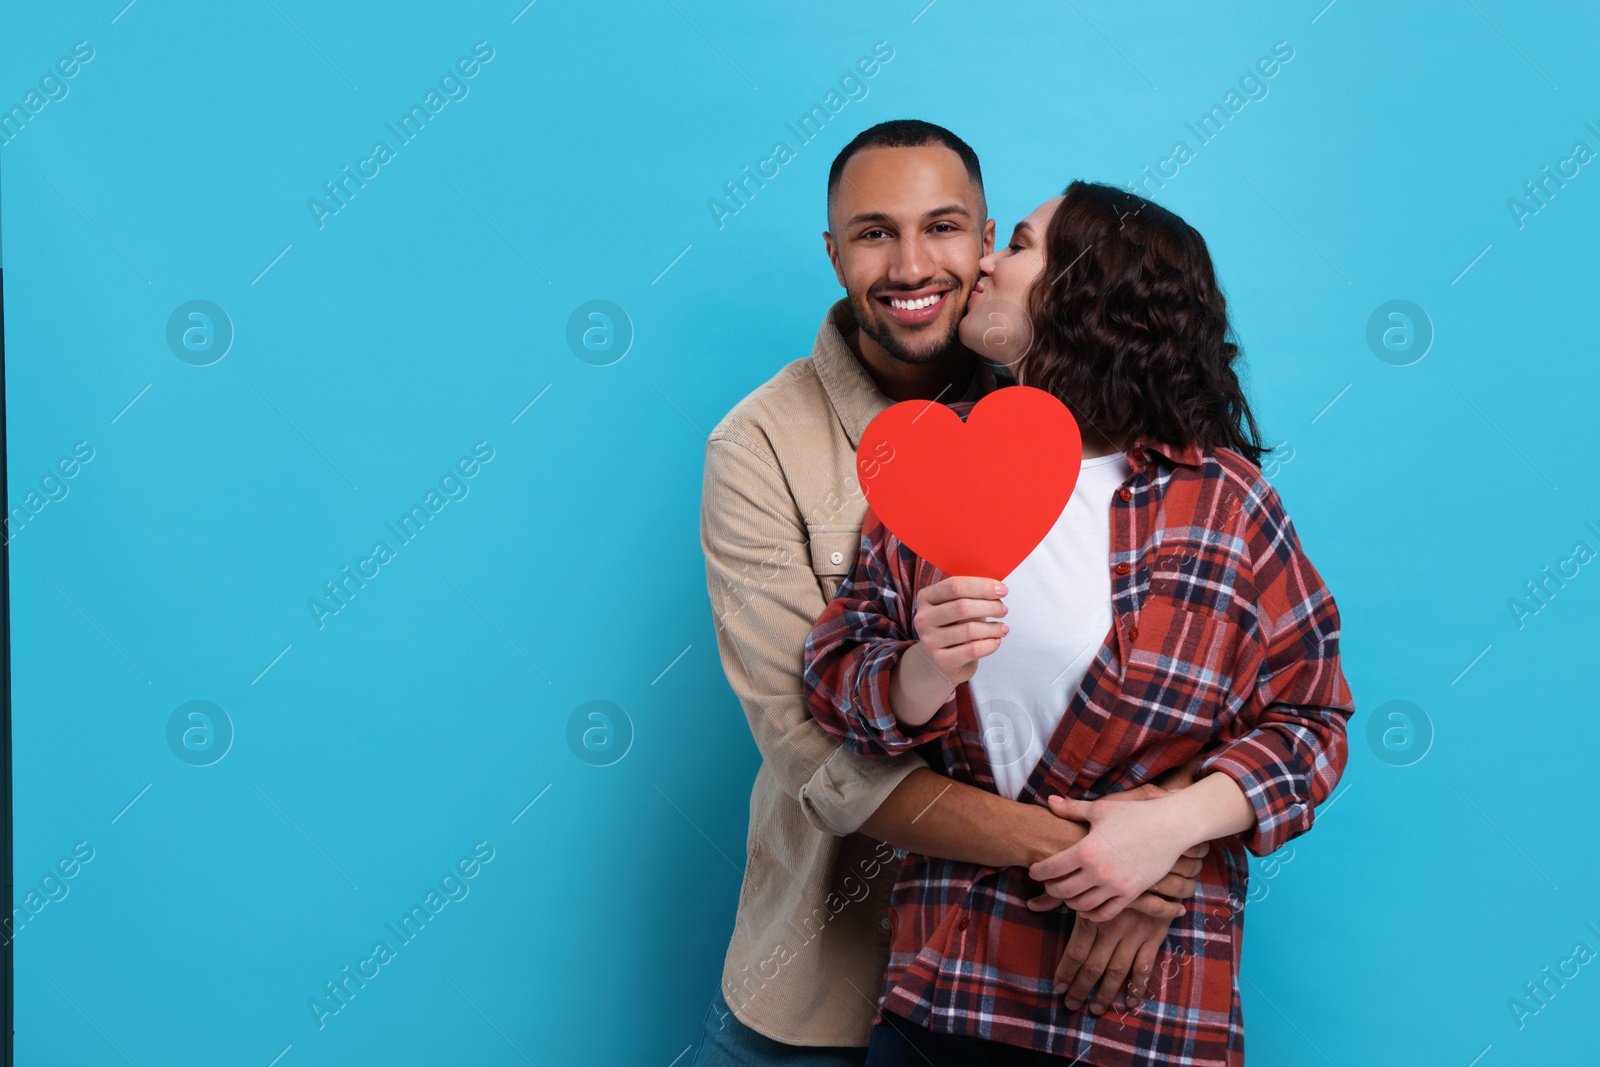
[853,649]
[1292,745]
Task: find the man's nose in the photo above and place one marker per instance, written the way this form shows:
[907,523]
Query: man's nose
[911,261]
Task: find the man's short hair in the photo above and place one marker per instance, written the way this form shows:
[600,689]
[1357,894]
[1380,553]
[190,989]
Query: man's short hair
[907,133]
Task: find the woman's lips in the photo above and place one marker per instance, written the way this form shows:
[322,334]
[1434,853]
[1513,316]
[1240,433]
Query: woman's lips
[915,316]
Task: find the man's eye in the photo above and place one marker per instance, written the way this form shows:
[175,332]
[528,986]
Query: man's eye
[944,227]
[870,233]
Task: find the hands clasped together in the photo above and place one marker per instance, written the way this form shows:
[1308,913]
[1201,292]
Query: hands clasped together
[1137,856]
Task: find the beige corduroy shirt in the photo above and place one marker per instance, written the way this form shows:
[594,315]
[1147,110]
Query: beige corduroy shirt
[780,521]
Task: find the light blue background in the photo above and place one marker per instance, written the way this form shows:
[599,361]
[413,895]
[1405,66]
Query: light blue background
[428,314]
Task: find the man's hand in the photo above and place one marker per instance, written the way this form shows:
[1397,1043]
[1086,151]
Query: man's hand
[1108,953]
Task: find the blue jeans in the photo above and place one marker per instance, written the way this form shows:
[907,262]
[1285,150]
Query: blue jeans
[727,1042]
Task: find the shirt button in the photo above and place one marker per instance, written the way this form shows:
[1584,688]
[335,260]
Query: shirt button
[1133,633]
[884,922]
[962,925]
[837,557]
[1125,494]
[1122,568]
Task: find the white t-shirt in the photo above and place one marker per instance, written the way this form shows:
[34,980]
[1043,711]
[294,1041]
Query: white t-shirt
[1059,611]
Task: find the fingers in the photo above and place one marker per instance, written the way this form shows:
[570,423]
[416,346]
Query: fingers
[1174,886]
[1104,912]
[962,586]
[1199,851]
[1090,971]
[1067,808]
[1148,791]
[1079,945]
[1046,902]
[1144,964]
[1157,907]
[1117,969]
[1058,866]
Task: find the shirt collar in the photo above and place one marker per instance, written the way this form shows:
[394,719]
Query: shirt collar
[1140,455]
[856,398]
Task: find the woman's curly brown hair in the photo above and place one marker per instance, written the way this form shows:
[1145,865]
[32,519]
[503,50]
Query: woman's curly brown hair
[1130,329]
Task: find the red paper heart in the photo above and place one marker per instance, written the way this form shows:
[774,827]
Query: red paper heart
[972,497]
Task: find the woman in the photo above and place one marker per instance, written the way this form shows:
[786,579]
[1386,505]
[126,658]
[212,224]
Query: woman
[1214,633]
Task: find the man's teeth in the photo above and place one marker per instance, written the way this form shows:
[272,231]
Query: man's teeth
[915,305]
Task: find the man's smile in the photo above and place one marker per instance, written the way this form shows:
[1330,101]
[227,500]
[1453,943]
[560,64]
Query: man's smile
[916,307]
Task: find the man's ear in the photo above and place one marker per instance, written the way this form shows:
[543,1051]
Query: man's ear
[988,237]
[833,257]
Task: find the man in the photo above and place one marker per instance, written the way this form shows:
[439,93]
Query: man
[780,523]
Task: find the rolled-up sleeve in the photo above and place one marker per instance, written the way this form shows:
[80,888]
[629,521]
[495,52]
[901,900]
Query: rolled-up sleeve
[1289,743]
[764,599]
[853,649]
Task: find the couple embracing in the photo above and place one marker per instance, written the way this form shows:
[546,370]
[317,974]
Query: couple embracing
[1005,822]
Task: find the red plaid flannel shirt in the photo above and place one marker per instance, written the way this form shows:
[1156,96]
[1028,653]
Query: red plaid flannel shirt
[1223,639]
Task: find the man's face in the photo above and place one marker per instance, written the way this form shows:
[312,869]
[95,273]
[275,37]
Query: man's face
[906,228]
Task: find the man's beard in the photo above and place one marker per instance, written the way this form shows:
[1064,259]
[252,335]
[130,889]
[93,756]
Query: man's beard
[867,311]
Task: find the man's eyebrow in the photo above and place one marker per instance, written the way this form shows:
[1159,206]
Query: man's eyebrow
[882,219]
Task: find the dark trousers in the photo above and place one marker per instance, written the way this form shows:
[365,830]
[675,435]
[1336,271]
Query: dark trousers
[899,1042]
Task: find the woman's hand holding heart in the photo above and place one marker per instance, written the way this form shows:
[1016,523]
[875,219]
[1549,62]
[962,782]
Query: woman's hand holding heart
[952,636]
